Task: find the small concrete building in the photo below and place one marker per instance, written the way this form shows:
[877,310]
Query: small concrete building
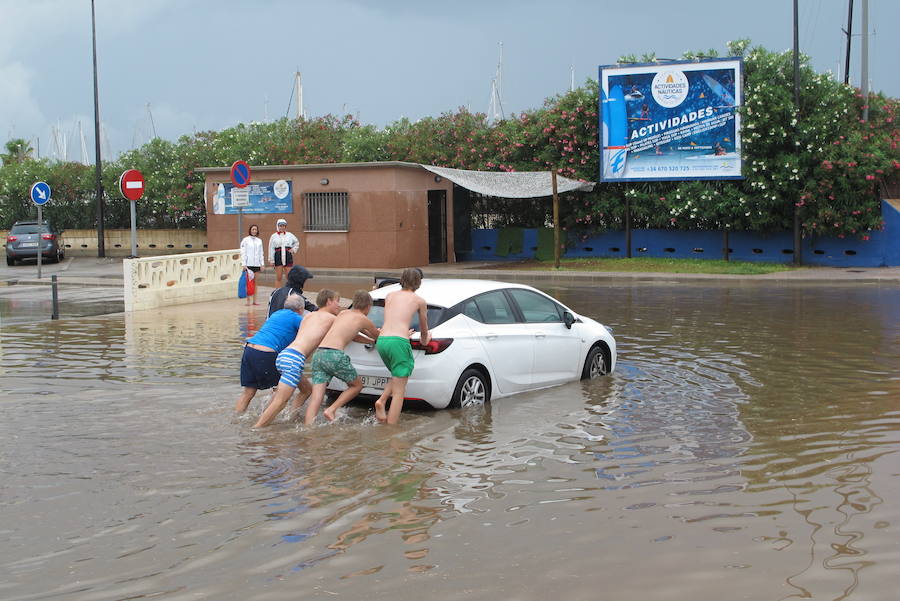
[385,215]
[379,215]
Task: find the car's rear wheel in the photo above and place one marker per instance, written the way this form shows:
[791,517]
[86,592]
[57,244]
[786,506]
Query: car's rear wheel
[10,261]
[595,365]
[471,390]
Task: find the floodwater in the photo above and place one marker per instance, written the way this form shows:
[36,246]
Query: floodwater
[745,448]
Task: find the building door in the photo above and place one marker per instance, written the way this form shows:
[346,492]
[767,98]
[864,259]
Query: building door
[437,226]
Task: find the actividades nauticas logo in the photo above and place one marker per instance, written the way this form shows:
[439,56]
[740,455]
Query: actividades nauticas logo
[670,88]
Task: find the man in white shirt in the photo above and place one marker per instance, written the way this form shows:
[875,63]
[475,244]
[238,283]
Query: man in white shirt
[282,247]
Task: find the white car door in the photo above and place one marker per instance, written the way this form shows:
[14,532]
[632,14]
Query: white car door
[557,349]
[506,342]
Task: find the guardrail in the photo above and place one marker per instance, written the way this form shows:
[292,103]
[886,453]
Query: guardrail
[152,282]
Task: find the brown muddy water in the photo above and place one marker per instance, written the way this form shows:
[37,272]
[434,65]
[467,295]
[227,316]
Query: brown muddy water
[746,448]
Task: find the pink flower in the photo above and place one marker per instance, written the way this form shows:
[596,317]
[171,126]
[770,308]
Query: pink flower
[870,177]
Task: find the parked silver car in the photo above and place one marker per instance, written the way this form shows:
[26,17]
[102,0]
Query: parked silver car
[27,238]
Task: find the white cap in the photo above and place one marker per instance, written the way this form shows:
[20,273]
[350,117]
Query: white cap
[281,222]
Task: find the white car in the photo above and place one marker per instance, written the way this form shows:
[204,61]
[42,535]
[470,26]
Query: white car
[489,340]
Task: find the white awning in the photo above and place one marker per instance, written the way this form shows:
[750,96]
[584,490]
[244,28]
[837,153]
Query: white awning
[514,184]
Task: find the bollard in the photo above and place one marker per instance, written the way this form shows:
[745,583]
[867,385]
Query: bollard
[55,293]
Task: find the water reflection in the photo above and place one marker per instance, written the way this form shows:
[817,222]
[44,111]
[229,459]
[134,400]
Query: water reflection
[748,432]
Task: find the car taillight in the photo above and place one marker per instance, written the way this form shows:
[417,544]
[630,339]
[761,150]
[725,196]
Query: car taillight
[434,346]
[48,236]
[11,238]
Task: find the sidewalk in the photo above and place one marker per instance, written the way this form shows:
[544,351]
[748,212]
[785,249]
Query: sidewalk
[91,271]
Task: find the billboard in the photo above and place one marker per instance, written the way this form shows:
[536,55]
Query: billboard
[670,121]
[264,197]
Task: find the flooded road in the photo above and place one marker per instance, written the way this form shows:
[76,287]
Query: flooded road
[747,447]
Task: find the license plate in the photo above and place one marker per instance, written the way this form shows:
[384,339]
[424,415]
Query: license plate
[28,245]
[374,381]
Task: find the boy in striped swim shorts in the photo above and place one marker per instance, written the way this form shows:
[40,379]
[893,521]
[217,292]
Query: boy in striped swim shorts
[291,360]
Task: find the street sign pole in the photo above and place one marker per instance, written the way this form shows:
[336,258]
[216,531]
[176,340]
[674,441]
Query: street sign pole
[40,194]
[133,230]
[240,225]
[240,197]
[40,236]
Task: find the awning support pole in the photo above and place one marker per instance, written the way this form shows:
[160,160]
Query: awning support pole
[555,221]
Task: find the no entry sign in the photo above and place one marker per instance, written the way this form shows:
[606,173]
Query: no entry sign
[240,174]
[131,184]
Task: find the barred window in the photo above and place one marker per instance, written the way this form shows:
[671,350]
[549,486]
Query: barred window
[327,212]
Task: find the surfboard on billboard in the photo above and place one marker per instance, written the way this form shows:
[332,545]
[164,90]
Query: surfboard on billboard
[671,121]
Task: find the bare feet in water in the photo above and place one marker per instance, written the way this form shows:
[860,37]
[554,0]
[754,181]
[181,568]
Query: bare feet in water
[329,414]
[380,413]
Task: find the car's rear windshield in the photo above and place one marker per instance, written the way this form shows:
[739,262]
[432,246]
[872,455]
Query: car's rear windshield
[29,228]
[435,315]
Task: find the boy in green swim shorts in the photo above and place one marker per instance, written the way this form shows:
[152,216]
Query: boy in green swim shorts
[393,343]
[330,361]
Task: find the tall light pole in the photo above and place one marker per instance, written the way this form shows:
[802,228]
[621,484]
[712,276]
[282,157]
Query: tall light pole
[798,249]
[849,32]
[98,182]
[864,57]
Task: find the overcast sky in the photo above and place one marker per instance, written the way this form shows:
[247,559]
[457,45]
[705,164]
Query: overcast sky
[210,64]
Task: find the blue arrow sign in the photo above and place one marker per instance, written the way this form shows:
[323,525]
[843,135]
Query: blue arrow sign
[40,193]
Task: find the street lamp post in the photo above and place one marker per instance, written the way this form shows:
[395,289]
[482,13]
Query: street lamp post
[798,235]
[98,182]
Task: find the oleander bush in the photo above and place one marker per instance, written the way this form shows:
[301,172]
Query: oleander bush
[824,160]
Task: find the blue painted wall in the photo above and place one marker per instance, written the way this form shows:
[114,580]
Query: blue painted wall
[883,248]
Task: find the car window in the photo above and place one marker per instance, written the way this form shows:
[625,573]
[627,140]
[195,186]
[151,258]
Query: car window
[470,309]
[494,308]
[435,315]
[29,228]
[535,307]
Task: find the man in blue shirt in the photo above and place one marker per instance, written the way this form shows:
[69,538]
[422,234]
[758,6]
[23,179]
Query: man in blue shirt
[258,371]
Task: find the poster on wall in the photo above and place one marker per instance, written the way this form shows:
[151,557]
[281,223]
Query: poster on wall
[264,197]
[670,121]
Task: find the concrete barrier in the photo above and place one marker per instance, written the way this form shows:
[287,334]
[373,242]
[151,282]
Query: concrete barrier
[83,243]
[152,282]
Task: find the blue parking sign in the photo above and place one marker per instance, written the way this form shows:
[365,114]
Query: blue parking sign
[40,193]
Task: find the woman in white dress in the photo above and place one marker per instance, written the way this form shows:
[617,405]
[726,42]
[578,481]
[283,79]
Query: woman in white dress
[283,245]
[252,257]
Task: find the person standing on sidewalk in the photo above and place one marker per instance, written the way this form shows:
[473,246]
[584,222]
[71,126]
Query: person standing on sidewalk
[252,258]
[282,247]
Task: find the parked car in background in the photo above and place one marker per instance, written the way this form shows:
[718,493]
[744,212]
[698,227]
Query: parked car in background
[27,238]
[489,340]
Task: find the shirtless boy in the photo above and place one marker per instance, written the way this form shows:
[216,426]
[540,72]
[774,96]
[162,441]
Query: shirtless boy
[290,361]
[393,344]
[330,361]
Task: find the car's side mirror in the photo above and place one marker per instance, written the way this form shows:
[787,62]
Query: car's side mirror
[568,319]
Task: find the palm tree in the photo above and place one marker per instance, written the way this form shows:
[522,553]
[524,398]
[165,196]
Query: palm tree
[17,151]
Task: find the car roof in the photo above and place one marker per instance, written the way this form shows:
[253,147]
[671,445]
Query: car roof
[448,292]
